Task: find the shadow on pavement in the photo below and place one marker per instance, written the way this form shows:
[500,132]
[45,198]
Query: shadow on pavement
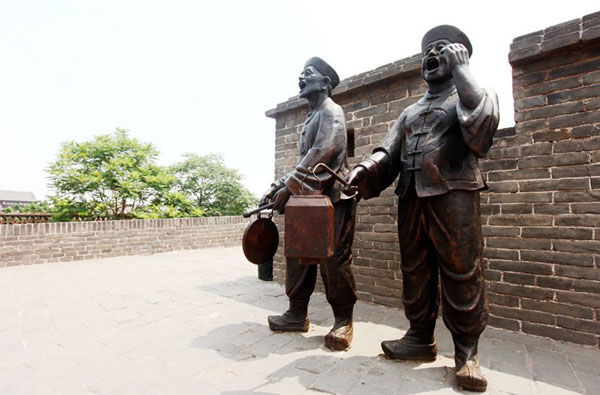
[354,375]
[250,341]
[523,365]
[271,296]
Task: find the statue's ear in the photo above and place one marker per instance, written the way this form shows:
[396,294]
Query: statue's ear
[326,81]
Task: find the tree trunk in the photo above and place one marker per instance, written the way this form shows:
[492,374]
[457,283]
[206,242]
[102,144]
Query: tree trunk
[122,213]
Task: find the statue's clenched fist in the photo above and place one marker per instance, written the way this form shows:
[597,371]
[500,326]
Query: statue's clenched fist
[268,196]
[456,55]
[280,199]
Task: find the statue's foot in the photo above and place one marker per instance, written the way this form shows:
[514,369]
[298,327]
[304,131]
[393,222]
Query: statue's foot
[289,322]
[469,376]
[410,349]
[339,337]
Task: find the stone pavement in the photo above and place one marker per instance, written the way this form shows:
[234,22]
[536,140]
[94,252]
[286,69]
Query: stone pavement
[194,322]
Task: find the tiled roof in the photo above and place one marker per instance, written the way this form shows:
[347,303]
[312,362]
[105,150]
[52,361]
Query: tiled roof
[17,196]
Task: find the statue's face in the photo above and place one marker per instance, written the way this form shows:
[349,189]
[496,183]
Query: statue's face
[311,81]
[435,68]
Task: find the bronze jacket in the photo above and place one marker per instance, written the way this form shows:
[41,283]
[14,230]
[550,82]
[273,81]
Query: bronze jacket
[323,140]
[436,142]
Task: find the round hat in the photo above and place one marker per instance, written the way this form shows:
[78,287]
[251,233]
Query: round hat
[446,32]
[325,69]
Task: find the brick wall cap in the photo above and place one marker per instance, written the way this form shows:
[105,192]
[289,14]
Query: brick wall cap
[554,38]
[404,66]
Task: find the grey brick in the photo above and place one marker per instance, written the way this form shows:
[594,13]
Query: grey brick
[590,273]
[558,333]
[521,174]
[528,126]
[521,290]
[588,117]
[499,253]
[579,196]
[579,325]
[530,102]
[579,245]
[521,267]
[519,278]
[589,220]
[504,300]
[547,87]
[552,208]
[557,257]
[586,208]
[545,161]
[574,94]
[560,42]
[518,243]
[554,185]
[504,323]
[523,315]
[557,233]
[591,78]
[558,308]
[573,69]
[521,220]
[578,298]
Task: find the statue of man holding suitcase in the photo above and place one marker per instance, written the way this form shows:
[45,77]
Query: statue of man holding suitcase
[323,140]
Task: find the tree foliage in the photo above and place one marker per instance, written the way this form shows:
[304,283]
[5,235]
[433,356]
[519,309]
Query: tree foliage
[35,207]
[115,176]
[211,185]
[112,176]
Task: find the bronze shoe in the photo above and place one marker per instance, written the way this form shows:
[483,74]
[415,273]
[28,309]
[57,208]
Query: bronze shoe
[289,322]
[469,376]
[339,338]
[410,348]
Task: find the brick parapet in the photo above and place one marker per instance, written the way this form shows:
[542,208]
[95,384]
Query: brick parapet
[564,36]
[401,68]
[67,241]
[542,211]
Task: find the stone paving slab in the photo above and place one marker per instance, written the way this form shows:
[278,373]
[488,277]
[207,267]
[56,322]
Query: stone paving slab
[194,322]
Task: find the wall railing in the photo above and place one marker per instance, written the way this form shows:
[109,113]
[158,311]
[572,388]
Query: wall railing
[24,218]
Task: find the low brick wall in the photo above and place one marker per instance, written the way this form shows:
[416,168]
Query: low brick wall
[70,241]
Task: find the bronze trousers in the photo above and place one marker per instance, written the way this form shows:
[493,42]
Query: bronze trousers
[336,271]
[442,234]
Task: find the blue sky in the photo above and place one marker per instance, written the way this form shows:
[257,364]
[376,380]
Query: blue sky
[197,76]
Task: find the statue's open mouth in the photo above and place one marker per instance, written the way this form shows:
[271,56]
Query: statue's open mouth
[302,85]
[432,64]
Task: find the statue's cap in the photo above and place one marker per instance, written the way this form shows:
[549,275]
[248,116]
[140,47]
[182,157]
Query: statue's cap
[325,69]
[446,32]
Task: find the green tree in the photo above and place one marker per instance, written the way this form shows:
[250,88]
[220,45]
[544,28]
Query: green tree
[113,176]
[211,186]
[36,207]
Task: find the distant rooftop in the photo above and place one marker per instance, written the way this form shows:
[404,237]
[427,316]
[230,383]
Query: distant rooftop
[17,196]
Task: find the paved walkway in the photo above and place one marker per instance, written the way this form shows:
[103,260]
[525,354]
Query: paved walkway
[194,322]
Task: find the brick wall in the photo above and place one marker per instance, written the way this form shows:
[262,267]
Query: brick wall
[69,241]
[541,215]
[542,225]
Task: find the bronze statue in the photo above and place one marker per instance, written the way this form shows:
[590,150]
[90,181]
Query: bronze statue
[323,140]
[433,147]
